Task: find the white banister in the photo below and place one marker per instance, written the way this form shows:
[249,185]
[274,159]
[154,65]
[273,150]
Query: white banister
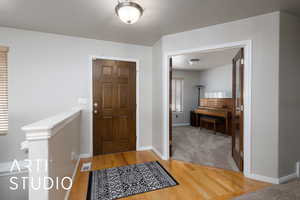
[53,150]
[49,127]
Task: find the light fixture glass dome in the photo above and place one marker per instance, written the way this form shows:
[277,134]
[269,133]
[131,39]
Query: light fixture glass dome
[129,12]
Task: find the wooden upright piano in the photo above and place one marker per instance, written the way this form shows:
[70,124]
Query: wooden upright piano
[214,107]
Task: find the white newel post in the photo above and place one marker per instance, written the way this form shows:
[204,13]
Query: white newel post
[39,136]
[38,155]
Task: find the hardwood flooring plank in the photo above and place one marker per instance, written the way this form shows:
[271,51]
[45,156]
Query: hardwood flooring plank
[196,182]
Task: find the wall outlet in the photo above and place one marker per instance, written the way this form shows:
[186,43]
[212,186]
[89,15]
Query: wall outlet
[86,167]
[298,169]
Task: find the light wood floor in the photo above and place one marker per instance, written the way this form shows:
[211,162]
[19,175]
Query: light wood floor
[195,181]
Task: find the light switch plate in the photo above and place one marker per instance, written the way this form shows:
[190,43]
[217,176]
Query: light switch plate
[83,101]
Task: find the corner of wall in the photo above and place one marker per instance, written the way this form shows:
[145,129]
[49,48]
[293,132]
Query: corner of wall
[298,169]
[157,125]
[289,154]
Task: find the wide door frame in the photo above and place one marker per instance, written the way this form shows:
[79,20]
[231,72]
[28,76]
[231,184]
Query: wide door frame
[247,45]
[90,104]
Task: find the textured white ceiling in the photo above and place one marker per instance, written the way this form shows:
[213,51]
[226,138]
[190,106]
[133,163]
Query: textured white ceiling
[207,60]
[96,18]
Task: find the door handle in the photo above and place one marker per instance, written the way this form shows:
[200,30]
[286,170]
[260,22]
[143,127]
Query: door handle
[95,107]
[95,104]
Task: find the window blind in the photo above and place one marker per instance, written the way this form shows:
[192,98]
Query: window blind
[177,94]
[3,91]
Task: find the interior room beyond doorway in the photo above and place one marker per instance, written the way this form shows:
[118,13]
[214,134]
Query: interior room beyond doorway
[206,90]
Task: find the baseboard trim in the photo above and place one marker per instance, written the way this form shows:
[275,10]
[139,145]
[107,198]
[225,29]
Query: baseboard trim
[2,174]
[257,177]
[272,180]
[181,124]
[153,149]
[5,168]
[287,178]
[158,153]
[263,178]
[85,155]
[73,178]
[145,148]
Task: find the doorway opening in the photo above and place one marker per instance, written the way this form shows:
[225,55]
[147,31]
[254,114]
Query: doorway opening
[221,115]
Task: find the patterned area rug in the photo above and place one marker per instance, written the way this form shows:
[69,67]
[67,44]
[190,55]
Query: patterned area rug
[203,147]
[119,182]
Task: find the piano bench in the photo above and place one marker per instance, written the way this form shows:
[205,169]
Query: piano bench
[212,120]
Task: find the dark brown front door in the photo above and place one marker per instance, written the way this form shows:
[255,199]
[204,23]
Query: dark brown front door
[114,106]
[238,110]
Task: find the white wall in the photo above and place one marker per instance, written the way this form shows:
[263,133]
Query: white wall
[8,194]
[264,33]
[289,96]
[157,118]
[48,73]
[190,95]
[217,79]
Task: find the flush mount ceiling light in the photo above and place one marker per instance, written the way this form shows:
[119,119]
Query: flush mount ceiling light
[129,12]
[194,61]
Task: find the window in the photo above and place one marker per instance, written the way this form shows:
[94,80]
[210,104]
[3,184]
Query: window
[177,94]
[3,91]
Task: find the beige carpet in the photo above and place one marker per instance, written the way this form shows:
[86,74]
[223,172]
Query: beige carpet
[202,147]
[288,191]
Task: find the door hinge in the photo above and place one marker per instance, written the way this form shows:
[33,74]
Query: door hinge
[242,61]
